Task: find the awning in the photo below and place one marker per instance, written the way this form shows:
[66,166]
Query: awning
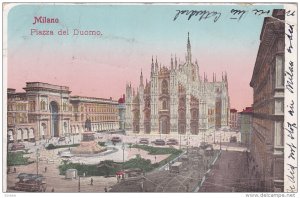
[120,173]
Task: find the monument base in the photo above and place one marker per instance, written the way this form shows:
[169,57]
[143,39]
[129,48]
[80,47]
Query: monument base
[90,147]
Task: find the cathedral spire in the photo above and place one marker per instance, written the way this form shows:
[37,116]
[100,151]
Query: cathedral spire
[152,66]
[175,62]
[172,62]
[156,65]
[141,78]
[189,52]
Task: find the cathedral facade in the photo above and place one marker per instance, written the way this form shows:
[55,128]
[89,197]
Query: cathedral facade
[177,100]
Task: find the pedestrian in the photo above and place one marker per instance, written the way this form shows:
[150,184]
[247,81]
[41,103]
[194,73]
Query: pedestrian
[105,189]
[45,169]
[92,181]
[84,174]
[52,190]
[155,158]
[15,170]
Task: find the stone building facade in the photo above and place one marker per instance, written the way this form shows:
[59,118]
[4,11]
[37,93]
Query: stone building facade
[46,110]
[233,123]
[246,126]
[267,144]
[177,100]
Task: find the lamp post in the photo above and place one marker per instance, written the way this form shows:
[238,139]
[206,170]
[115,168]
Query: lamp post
[187,144]
[214,136]
[180,141]
[78,183]
[220,141]
[37,161]
[123,148]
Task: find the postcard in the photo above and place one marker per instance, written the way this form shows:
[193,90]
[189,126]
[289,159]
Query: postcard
[150,97]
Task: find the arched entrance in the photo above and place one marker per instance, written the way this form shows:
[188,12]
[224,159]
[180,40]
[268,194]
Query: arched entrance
[164,125]
[10,135]
[147,127]
[181,129]
[54,119]
[26,135]
[31,134]
[43,130]
[19,135]
[65,128]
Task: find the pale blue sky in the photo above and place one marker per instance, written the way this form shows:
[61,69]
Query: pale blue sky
[131,35]
[146,24]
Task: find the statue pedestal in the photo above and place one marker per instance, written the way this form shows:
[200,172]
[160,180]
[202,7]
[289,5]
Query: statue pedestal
[88,145]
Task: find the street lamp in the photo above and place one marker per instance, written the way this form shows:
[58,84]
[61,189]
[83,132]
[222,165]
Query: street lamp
[78,183]
[214,136]
[187,144]
[220,141]
[180,141]
[37,161]
[123,148]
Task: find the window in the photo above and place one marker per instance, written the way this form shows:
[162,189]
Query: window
[43,105]
[279,71]
[164,104]
[32,106]
[278,133]
[164,87]
[195,114]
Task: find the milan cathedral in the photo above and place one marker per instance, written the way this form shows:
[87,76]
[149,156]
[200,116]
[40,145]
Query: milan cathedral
[177,100]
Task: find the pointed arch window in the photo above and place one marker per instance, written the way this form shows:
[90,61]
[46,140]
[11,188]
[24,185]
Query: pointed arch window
[164,87]
[164,105]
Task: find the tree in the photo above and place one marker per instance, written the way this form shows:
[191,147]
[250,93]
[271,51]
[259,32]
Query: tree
[107,166]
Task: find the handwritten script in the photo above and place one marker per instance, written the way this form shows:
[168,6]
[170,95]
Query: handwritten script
[291,147]
[234,14]
[202,14]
